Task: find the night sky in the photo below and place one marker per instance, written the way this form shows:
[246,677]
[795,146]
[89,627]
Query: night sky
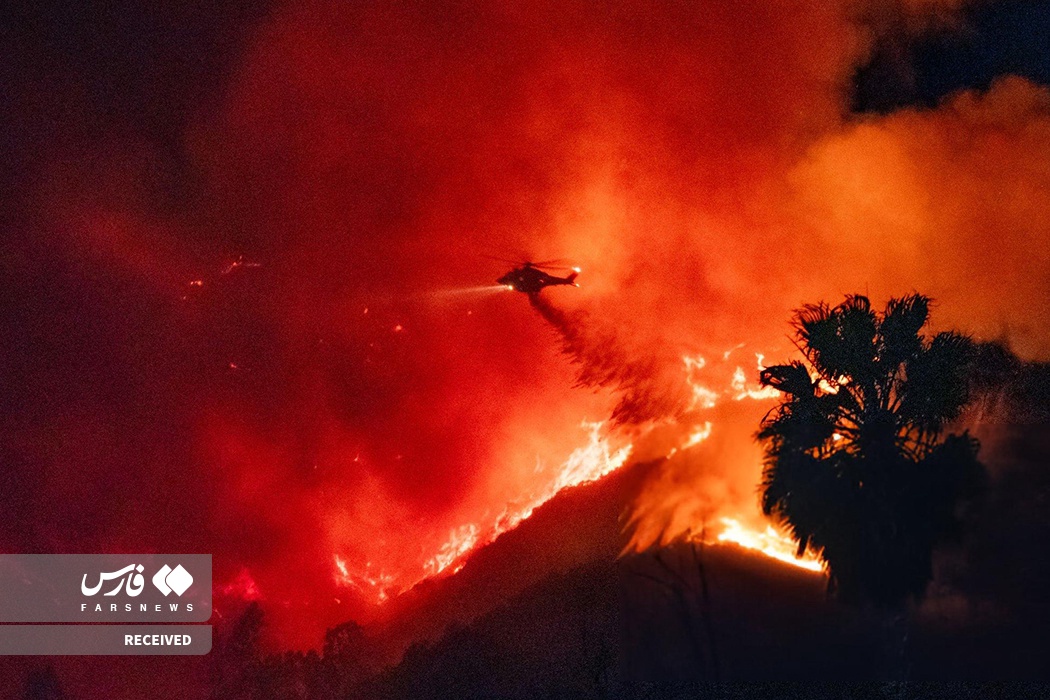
[239,243]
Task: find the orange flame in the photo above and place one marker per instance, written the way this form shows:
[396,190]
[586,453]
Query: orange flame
[676,503]
[379,587]
[585,464]
[768,542]
[588,463]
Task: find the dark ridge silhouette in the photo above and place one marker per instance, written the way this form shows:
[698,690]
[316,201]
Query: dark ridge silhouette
[579,525]
[634,629]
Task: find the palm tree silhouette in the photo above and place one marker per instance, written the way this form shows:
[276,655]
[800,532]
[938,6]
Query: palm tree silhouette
[856,466]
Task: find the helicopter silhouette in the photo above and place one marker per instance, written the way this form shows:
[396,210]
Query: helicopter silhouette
[532,277]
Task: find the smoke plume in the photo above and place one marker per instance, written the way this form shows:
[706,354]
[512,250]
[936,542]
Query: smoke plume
[648,387]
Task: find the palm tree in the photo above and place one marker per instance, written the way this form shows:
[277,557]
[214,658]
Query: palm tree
[856,466]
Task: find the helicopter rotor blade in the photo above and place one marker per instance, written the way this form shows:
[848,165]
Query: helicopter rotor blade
[555,264]
[505,260]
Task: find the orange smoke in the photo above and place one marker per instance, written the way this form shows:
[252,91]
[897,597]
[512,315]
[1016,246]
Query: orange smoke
[951,201]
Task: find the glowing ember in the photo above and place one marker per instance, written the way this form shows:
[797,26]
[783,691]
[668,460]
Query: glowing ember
[769,542]
[239,263]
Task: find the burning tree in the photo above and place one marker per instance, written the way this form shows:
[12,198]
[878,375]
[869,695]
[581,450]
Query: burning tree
[857,465]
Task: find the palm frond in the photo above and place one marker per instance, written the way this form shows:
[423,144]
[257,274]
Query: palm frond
[860,474]
[901,328]
[839,341]
[937,387]
[791,379]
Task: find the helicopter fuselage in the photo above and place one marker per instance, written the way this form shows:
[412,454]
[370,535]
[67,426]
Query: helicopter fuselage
[530,280]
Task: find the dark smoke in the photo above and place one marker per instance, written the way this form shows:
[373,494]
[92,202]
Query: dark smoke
[647,387]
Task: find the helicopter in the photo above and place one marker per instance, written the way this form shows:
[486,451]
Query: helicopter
[531,277]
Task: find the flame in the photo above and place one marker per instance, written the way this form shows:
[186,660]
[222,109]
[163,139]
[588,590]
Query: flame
[676,503]
[698,435]
[827,387]
[585,464]
[590,462]
[460,541]
[739,385]
[703,397]
[768,542]
[379,587]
